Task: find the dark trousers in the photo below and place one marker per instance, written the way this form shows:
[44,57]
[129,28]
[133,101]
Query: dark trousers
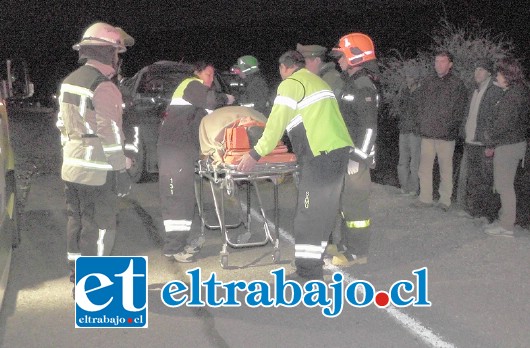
[355,209]
[91,222]
[176,164]
[321,180]
[479,196]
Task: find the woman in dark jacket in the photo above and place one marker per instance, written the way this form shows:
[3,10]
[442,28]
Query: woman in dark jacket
[178,149]
[505,140]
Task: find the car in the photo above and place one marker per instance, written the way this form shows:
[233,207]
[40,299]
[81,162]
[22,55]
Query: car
[145,98]
[11,96]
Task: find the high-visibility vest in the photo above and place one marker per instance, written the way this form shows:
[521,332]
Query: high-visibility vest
[307,108]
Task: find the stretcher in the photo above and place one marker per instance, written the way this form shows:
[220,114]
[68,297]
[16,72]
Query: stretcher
[224,177]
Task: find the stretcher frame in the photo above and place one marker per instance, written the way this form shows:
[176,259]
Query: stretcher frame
[223,176]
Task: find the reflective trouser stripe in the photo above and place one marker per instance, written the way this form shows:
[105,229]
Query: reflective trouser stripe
[177,225]
[308,251]
[72,256]
[358,224]
[101,243]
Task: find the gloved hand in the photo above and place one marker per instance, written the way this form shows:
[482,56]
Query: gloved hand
[230,99]
[123,183]
[353,167]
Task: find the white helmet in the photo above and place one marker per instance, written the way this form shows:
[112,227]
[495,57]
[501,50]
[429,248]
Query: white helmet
[101,34]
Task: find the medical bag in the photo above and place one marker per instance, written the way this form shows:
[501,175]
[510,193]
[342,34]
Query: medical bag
[242,135]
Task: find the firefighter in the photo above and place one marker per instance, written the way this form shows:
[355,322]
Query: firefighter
[94,164]
[315,61]
[178,149]
[255,91]
[306,107]
[359,104]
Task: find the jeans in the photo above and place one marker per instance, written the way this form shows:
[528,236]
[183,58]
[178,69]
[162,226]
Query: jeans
[409,161]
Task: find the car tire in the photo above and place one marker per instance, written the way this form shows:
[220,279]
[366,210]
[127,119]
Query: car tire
[13,210]
[15,225]
[137,169]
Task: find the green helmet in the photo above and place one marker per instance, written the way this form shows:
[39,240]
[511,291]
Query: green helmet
[248,64]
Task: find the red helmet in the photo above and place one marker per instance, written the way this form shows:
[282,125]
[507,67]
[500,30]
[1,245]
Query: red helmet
[356,47]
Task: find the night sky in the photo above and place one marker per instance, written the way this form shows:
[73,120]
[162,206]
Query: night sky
[43,32]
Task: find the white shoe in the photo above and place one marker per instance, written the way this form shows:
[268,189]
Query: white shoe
[498,231]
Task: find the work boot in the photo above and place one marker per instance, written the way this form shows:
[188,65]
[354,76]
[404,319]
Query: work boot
[194,246]
[347,259]
[182,257]
[333,250]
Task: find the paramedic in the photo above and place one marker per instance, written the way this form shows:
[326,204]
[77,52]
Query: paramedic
[255,89]
[359,102]
[178,149]
[93,168]
[306,107]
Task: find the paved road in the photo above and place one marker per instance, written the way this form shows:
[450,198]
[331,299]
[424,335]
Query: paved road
[478,285]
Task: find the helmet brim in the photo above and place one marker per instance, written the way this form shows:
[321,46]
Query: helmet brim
[89,42]
[335,52]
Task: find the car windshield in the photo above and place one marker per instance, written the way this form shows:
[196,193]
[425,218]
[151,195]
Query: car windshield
[161,79]
[160,85]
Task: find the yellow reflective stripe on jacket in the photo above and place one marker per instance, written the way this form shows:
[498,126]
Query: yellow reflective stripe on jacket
[112,148]
[84,94]
[116,131]
[97,165]
[357,224]
[179,101]
[77,90]
[177,97]
[294,122]
[315,98]
[289,102]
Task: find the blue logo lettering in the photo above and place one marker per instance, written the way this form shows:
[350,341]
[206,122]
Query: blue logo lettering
[111,291]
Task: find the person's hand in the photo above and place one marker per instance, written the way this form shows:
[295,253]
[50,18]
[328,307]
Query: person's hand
[123,183]
[231,99]
[353,167]
[128,162]
[489,152]
[247,163]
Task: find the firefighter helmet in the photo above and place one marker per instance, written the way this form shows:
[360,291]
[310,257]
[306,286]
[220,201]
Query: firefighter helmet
[126,39]
[356,47]
[248,64]
[101,34]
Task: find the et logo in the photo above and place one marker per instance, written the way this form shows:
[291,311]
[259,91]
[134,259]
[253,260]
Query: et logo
[111,291]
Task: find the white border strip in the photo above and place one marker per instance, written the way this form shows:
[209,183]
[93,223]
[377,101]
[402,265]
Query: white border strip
[409,323]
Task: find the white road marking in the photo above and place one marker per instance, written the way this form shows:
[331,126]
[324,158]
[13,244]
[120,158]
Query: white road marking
[409,323]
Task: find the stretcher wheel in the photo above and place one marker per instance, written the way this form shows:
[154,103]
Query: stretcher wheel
[230,187]
[224,261]
[276,256]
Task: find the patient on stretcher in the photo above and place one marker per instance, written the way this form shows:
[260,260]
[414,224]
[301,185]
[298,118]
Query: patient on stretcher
[229,132]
